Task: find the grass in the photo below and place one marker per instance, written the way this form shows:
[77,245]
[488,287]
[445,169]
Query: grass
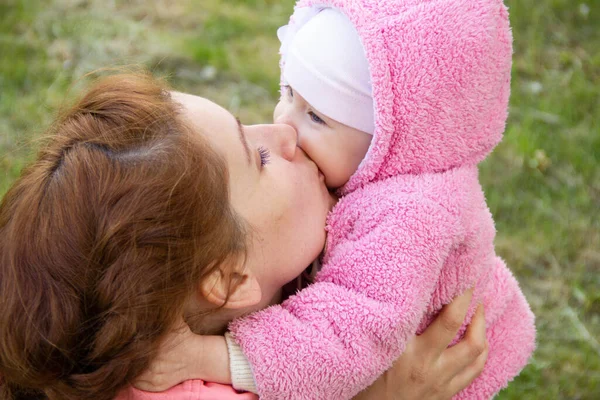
[542,182]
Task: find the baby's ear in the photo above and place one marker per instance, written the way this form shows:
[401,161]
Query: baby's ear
[245,290]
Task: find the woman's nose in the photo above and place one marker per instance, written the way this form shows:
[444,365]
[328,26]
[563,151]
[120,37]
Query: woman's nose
[287,140]
[280,138]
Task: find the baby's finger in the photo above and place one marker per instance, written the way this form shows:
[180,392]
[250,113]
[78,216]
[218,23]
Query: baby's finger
[443,329]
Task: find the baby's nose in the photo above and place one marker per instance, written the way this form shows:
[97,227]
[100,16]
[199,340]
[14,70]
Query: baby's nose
[281,117]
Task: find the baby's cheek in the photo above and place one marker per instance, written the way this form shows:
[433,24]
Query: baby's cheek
[314,147]
[334,176]
[336,167]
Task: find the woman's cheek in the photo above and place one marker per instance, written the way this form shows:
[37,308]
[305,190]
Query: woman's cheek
[287,194]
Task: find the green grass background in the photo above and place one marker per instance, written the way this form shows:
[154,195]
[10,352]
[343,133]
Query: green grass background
[542,182]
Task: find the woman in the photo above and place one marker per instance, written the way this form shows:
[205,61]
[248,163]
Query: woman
[145,206]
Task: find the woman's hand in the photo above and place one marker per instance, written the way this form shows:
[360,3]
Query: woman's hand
[428,369]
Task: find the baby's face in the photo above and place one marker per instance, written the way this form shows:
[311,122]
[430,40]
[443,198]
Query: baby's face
[337,149]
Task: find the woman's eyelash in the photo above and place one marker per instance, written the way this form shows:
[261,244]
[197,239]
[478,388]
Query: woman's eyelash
[265,155]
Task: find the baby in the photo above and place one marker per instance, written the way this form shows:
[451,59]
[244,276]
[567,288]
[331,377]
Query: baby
[396,102]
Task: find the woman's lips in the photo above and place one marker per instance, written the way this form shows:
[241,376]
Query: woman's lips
[320,174]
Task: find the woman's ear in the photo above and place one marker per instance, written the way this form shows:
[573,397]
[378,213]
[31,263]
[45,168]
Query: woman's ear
[215,287]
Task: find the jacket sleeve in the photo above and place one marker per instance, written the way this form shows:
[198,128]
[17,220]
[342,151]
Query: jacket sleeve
[334,338]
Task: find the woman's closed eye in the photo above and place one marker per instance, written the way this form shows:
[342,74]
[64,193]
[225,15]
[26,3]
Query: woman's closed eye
[265,155]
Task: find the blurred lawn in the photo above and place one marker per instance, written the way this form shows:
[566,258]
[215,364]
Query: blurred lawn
[542,182]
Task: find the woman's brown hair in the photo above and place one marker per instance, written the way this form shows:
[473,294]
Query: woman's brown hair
[102,240]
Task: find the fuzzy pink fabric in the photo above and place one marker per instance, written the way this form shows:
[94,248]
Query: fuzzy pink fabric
[412,230]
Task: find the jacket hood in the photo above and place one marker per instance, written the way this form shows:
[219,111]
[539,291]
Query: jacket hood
[440,72]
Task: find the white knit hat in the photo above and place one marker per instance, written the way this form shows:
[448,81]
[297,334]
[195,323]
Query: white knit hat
[325,62]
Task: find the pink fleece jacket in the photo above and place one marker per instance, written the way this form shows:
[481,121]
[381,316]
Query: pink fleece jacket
[412,230]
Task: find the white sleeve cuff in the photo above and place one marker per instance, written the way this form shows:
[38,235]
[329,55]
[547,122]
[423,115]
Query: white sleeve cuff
[241,372]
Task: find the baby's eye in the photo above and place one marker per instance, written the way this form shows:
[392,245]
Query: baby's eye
[315,118]
[288,89]
[265,155]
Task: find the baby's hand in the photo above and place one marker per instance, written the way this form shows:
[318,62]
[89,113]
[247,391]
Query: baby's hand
[179,358]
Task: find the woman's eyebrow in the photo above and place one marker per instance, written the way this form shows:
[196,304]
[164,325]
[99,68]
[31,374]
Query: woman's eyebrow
[242,137]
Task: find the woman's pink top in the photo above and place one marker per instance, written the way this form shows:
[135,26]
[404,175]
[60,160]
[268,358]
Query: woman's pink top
[189,390]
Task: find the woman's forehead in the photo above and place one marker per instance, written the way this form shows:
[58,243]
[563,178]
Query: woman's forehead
[216,124]
[197,106]
[207,118]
